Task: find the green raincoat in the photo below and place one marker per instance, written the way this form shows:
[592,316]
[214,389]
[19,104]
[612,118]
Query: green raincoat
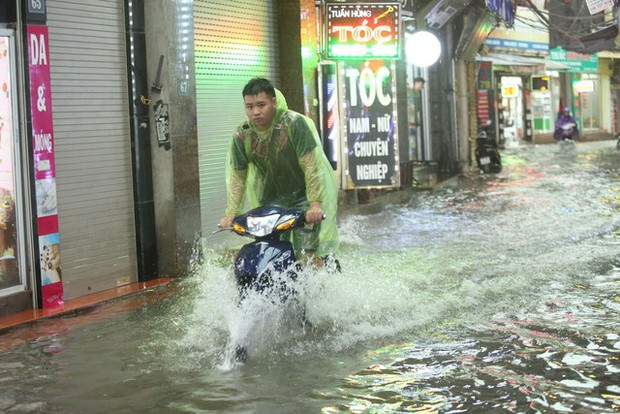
[285,166]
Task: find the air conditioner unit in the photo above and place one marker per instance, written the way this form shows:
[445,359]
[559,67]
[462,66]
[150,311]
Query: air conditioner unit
[443,11]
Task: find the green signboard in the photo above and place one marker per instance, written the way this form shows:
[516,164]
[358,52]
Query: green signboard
[576,62]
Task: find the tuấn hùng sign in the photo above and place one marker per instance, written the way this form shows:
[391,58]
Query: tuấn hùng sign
[363,30]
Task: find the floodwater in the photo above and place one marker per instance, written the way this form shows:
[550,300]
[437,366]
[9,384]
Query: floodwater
[495,293]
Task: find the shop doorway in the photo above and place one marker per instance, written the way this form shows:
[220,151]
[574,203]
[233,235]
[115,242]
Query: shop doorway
[513,112]
[12,247]
[587,111]
[419,145]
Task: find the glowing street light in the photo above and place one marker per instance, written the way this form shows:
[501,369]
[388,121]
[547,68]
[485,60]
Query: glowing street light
[422,49]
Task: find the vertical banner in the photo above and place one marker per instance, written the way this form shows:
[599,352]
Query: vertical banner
[484,107]
[44,166]
[330,122]
[484,80]
[370,128]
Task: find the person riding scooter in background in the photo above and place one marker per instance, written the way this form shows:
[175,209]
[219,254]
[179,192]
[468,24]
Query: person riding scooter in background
[566,126]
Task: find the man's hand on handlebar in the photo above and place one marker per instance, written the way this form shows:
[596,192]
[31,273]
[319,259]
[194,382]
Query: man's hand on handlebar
[226,221]
[314,213]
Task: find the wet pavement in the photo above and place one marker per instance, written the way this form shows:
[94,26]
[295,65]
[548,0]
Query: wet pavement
[490,293]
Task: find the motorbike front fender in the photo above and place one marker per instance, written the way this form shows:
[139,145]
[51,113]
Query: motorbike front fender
[260,257]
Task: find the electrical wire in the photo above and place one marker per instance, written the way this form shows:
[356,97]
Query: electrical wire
[556,21]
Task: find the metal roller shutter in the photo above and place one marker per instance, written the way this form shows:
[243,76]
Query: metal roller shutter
[233,41]
[92,144]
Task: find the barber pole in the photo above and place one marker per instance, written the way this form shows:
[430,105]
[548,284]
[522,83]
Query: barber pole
[330,120]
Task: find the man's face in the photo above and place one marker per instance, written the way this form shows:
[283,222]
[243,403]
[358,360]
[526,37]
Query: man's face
[418,86]
[260,109]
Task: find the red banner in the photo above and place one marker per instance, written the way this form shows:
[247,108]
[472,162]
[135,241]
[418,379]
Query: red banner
[44,165]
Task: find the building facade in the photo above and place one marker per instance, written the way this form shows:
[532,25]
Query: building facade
[116,118]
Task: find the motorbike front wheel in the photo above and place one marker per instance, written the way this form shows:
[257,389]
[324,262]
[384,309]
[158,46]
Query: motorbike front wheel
[496,167]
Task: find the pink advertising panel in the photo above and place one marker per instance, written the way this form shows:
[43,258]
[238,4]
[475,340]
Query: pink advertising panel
[44,166]
[41,102]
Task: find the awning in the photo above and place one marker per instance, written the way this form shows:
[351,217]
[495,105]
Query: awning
[515,60]
[609,54]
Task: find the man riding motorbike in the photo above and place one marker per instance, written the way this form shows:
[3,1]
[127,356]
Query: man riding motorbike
[566,126]
[276,158]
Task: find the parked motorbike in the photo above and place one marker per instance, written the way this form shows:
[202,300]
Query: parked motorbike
[267,266]
[487,153]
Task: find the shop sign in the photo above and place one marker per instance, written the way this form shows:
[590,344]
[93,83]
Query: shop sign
[584,86]
[484,113]
[44,166]
[363,31]
[528,34]
[36,10]
[510,91]
[596,6]
[485,75]
[370,127]
[577,62]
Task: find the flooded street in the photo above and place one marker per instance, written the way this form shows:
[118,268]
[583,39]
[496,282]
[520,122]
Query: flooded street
[495,293]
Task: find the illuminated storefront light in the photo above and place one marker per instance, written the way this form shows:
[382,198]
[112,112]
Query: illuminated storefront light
[422,48]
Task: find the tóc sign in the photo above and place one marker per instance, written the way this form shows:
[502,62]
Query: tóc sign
[370,125]
[363,30]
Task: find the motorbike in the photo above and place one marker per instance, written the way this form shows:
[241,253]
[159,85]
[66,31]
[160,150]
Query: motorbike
[487,153]
[267,266]
[567,132]
[256,262]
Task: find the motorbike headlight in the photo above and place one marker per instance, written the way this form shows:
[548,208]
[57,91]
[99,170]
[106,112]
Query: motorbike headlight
[262,226]
[286,225]
[238,228]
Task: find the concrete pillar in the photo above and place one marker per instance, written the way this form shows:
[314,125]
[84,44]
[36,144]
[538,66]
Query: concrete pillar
[463,129]
[175,166]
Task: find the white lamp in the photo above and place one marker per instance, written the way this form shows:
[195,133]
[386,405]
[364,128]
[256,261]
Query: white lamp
[422,49]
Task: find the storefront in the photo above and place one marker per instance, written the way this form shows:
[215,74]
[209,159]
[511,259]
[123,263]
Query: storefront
[359,54]
[533,83]
[13,276]
[88,68]
[66,186]
[519,107]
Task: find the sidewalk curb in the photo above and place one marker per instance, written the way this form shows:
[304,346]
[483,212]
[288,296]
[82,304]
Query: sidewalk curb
[83,303]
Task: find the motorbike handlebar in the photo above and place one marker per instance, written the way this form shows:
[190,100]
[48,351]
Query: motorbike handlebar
[301,221]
